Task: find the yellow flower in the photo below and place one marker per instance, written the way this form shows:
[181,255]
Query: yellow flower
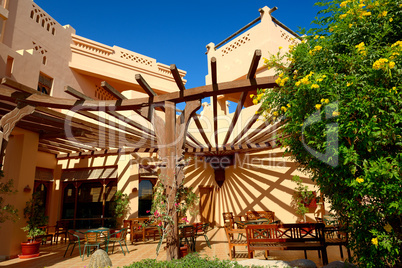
[334,114]
[255,101]
[298,83]
[319,80]
[316,37]
[288,105]
[344,3]
[397,43]
[384,13]
[326,101]
[283,108]
[391,64]
[331,29]
[360,180]
[349,84]
[350,25]
[322,100]
[251,95]
[391,19]
[343,16]
[318,106]
[315,86]
[381,64]
[275,113]
[366,14]
[280,47]
[322,37]
[361,5]
[374,241]
[388,228]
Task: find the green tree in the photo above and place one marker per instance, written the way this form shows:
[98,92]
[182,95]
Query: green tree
[339,97]
[7,211]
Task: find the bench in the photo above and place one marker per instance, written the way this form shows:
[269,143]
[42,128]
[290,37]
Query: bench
[236,238]
[296,236]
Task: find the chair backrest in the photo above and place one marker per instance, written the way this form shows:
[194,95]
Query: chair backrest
[136,227]
[92,237]
[62,225]
[127,224]
[255,215]
[72,237]
[319,220]
[228,219]
[187,231]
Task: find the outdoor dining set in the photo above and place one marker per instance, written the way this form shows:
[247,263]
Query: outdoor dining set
[259,230]
[142,229]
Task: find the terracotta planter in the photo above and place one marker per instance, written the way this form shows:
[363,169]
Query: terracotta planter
[29,250]
[183,251]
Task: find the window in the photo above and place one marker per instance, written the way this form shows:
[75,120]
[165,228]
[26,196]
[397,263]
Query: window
[9,66]
[145,197]
[89,204]
[45,83]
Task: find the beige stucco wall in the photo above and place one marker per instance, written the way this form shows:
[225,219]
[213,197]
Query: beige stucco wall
[19,165]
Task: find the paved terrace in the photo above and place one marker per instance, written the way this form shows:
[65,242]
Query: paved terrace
[52,256]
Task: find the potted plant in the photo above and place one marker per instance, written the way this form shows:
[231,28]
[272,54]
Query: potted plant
[302,198]
[34,212]
[121,202]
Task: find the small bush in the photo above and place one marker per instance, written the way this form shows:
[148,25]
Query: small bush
[191,260]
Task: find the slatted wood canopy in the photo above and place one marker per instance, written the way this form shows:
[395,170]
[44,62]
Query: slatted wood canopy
[94,134]
[72,136]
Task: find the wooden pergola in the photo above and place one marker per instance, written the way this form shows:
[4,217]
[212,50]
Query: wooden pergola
[28,109]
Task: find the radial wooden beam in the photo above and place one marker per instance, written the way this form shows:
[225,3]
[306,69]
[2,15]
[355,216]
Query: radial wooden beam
[195,140]
[112,91]
[130,104]
[73,144]
[141,81]
[61,145]
[254,64]
[236,115]
[177,77]
[76,93]
[247,127]
[201,130]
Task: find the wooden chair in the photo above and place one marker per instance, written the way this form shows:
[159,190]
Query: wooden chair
[137,231]
[44,238]
[61,228]
[228,219]
[187,234]
[127,224]
[233,242]
[337,236]
[201,229]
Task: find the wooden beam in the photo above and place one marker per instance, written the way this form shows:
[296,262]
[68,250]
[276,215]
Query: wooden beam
[215,114]
[224,150]
[112,91]
[141,81]
[76,93]
[213,71]
[201,130]
[130,104]
[236,115]
[115,114]
[106,152]
[247,127]
[177,78]
[254,64]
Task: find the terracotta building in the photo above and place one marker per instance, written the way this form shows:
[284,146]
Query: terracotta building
[55,151]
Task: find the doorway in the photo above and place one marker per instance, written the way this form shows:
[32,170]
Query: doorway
[207,207]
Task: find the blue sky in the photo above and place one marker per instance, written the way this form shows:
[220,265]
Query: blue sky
[172,31]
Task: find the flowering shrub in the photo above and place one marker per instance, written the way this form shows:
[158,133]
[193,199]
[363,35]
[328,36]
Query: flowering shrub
[184,201]
[342,103]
